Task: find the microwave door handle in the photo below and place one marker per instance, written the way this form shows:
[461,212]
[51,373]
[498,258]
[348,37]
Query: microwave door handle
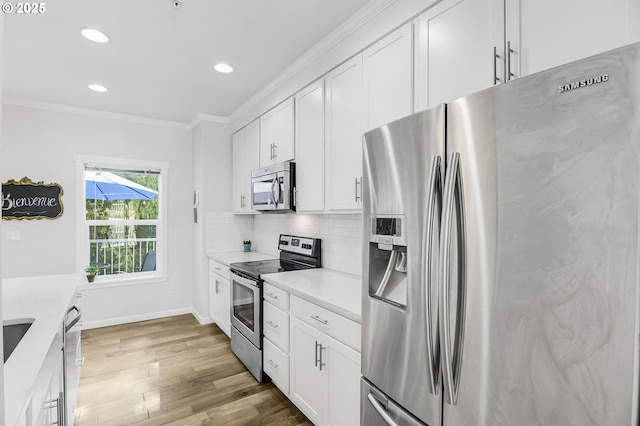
[275,186]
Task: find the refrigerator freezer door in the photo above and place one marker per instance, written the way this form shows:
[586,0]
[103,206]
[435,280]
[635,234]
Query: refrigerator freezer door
[551,179]
[403,168]
[377,410]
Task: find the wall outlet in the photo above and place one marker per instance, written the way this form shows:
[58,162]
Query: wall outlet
[13,236]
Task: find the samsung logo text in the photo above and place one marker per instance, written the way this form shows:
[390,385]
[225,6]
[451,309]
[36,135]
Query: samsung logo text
[583,83]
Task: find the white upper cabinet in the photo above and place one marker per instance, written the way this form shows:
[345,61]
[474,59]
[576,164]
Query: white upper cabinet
[388,78]
[546,33]
[277,134]
[344,131]
[246,145]
[455,43]
[309,126]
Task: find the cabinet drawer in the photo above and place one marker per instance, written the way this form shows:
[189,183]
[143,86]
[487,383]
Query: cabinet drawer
[276,326]
[335,325]
[276,296]
[276,365]
[219,268]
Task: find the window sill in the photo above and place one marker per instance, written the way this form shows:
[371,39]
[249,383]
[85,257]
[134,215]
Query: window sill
[122,282]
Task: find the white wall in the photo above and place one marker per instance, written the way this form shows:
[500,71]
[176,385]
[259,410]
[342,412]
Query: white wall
[212,172]
[41,144]
[1,156]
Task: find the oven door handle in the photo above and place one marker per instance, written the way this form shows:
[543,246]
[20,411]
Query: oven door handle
[244,281]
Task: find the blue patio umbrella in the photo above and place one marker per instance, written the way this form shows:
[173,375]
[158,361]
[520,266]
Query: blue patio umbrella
[109,186]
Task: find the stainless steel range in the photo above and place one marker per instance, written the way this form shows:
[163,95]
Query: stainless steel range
[246,295]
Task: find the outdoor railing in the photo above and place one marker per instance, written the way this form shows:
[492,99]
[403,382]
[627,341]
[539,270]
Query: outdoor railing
[118,256]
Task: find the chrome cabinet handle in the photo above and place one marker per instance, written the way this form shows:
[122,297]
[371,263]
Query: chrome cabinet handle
[271,295]
[275,151]
[271,363]
[433,210]
[322,364]
[358,194]
[381,411]
[217,288]
[320,320]
[79,362]
[508,74]
[317,359]
[272,324]
[496,79]
[452,197]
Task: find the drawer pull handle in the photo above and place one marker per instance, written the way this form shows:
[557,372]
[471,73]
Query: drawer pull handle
[272,324]
[320,320]
[273,296]
[272,363]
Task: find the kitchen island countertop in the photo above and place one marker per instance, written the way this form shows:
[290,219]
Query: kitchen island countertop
[45,299]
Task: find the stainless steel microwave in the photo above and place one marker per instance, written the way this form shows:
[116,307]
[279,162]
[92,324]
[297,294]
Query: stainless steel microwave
[273,188]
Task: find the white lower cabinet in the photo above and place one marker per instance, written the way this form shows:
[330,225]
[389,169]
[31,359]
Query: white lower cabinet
[220,296]
[325,376]
[47,395]
[276,336]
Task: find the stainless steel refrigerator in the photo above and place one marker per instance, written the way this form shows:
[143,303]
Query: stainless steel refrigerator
[500,260]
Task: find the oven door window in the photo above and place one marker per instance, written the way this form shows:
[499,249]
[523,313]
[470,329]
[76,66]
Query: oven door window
[243,305]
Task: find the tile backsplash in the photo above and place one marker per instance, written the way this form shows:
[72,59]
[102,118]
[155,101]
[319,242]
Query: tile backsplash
[226,231]
[341,235]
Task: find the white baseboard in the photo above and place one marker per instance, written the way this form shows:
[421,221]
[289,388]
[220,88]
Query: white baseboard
[202,319]
[86,325]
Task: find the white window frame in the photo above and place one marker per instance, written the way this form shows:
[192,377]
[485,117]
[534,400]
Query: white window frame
[160,274]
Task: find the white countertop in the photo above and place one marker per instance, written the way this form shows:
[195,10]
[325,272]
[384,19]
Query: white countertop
[45,299]
[229,257]
[337,291]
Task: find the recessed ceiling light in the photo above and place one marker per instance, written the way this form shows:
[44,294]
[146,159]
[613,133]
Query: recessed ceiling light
[97,88]
[95,35]
[223,68]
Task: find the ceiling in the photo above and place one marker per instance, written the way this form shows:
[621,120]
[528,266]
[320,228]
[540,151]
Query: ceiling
[159,61]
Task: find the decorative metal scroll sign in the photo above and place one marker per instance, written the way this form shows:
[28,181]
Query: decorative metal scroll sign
[31,200]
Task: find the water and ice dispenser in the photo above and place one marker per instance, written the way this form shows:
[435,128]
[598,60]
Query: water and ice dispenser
[388,259]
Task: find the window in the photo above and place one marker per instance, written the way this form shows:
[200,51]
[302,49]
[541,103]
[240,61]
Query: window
[123,229]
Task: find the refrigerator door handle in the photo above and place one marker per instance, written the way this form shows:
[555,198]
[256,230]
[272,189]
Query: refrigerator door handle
[380,410]
[435,199]
[452,198]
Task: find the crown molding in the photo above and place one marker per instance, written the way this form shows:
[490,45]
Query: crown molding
[200,117]
[95,113]
[364,15]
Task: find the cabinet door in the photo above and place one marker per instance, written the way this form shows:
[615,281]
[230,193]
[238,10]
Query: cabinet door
[268,126]
[455,50]
[224,305]
[285,113]
[239,171]
[277,134]
[213,296]
[309,104]
[252,154]
[388,78]
[306,384]
[342,383]
[547,33]
[344,136]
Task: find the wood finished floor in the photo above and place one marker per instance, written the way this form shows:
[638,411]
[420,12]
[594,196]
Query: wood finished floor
[173,371]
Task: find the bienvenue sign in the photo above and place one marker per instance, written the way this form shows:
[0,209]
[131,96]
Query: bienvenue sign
[31,200]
